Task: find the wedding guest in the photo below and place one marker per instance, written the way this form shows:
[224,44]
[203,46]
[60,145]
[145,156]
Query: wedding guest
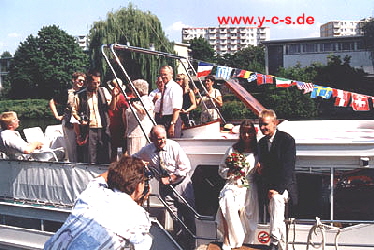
[238,211]
[155,96]
[170,103]
[135,135]
[65,101]
[210,100]
[109,213]
[11,142]
[169,159]
[90,108]
[189,100]
[117,117]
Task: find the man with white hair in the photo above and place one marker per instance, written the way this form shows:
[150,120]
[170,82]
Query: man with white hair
[170,103]
[171,162]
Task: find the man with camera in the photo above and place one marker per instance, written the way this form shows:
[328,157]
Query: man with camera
[108,214]
[90,108]
[171,167]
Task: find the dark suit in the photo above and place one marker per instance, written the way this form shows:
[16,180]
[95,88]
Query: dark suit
[278,173]
[279,164]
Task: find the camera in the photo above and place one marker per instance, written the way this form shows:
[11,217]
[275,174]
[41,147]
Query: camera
[148,176]
[134,100]
[83,116]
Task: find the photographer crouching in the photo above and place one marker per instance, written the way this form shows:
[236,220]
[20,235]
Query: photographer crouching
[108,214]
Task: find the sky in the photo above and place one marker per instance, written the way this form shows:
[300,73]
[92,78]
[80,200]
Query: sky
[21,18]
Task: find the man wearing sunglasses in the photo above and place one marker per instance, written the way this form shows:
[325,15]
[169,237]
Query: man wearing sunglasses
[64,102]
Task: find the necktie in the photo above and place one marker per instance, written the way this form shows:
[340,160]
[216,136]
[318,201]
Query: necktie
[162,102]
[162,165]
[269,144]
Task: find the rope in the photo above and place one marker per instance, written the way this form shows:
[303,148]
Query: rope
[319,225]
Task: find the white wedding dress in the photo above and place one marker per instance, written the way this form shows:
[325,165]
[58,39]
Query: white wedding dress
[238,204]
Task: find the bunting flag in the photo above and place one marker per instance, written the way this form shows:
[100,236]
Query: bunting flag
[264,79]
[247,74]
[236,73]
[224,72]
[204,69]
[307,87]
[283,82]
[360,102]
[252,77]
[342,97]
[319,91]
[242,73]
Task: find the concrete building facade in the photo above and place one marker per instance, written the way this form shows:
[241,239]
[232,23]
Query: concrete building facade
[305,51]
[228,39]
[341,28]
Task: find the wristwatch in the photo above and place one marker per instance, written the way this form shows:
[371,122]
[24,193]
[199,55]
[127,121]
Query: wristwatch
[172,123]
[170,180]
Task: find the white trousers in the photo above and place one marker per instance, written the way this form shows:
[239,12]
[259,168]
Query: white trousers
[277,206]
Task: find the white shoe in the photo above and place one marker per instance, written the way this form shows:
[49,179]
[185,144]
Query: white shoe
[225,247]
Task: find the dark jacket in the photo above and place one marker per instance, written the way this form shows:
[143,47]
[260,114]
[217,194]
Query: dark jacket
[278,171]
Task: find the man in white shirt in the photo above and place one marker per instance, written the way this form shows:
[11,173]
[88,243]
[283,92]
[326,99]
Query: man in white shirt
[173,165]
[11,142]
[170,103]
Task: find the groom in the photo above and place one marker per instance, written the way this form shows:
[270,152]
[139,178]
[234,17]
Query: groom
[277,153]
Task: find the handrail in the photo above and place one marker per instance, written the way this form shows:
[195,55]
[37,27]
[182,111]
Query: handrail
[125,95]
[181,222]
[169,55]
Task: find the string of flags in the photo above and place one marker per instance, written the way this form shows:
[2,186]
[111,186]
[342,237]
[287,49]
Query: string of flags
[343,98]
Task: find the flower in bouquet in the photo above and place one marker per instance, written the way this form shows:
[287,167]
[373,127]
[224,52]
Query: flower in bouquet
[237,167]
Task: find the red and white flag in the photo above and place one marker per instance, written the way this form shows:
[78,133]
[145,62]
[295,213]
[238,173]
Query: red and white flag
[342,97]
[204,69]
[360,102]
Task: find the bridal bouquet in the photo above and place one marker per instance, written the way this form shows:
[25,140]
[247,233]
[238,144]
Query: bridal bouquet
[237,166]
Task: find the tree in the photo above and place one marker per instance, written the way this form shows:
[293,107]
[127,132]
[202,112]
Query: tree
[6,54]
[134,27]
[249,58]
[201,50]
[368,29]
[43,65]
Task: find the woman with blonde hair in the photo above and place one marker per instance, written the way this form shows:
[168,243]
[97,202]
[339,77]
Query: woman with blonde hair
[189,100]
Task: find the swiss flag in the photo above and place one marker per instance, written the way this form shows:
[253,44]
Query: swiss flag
[360,102]
[342,97]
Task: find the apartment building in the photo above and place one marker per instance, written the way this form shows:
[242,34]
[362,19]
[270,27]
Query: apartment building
[341,28]
[228,39]
[82,41]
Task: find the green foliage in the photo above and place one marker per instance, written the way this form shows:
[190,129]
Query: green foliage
[249,58]
[201,50]
[235,110]
[289,103]
[368,30]
[299,73]
[43,65]
[28,108]
[5,54]
[137,28]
